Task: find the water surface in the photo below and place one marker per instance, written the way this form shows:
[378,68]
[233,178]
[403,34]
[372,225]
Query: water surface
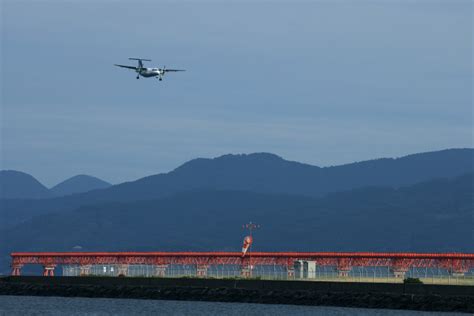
[38,305]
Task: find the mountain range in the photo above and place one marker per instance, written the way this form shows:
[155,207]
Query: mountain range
[268,173]
[260,173]
[421,202]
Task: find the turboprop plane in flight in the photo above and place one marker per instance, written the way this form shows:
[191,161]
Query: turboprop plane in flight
[148,72]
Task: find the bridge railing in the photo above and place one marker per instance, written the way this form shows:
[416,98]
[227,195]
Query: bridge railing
[322,273]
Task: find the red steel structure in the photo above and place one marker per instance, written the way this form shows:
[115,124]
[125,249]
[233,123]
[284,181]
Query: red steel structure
[399,263]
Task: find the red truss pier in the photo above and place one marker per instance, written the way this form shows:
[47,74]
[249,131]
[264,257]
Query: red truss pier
[398,263]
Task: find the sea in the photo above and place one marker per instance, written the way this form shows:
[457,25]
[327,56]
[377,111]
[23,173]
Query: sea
[37,305]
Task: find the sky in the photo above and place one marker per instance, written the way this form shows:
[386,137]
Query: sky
[320,82]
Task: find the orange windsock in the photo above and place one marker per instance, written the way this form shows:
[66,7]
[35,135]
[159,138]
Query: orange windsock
[247,243]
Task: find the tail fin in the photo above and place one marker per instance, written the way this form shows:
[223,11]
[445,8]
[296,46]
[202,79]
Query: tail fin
[140,61]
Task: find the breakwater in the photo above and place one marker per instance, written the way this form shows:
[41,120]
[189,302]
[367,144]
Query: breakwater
[366,295]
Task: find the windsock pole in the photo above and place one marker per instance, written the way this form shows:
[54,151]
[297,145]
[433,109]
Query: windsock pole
[248,240]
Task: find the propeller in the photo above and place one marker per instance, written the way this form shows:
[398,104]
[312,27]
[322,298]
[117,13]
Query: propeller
[162,72]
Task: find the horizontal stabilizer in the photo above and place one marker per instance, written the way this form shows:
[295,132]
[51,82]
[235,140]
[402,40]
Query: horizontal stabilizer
[140,59]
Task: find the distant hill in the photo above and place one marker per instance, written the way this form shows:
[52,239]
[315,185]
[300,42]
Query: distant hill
[260,173]
[268,173]
[78,184]
[20,185]
[431,216]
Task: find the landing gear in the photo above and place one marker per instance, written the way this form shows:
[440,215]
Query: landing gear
[138,77]
[160,79]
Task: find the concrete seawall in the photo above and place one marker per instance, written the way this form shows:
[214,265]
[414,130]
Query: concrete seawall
[369,295]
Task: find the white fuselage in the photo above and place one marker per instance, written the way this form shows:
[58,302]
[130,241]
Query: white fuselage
[150,72]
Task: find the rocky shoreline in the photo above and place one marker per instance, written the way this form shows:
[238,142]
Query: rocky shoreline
[264,296]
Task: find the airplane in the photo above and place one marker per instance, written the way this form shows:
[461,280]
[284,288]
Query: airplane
[148,72]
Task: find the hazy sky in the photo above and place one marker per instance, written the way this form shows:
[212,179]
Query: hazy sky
[322,82]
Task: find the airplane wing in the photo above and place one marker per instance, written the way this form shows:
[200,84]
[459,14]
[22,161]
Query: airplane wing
[173,70]
[123,66]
